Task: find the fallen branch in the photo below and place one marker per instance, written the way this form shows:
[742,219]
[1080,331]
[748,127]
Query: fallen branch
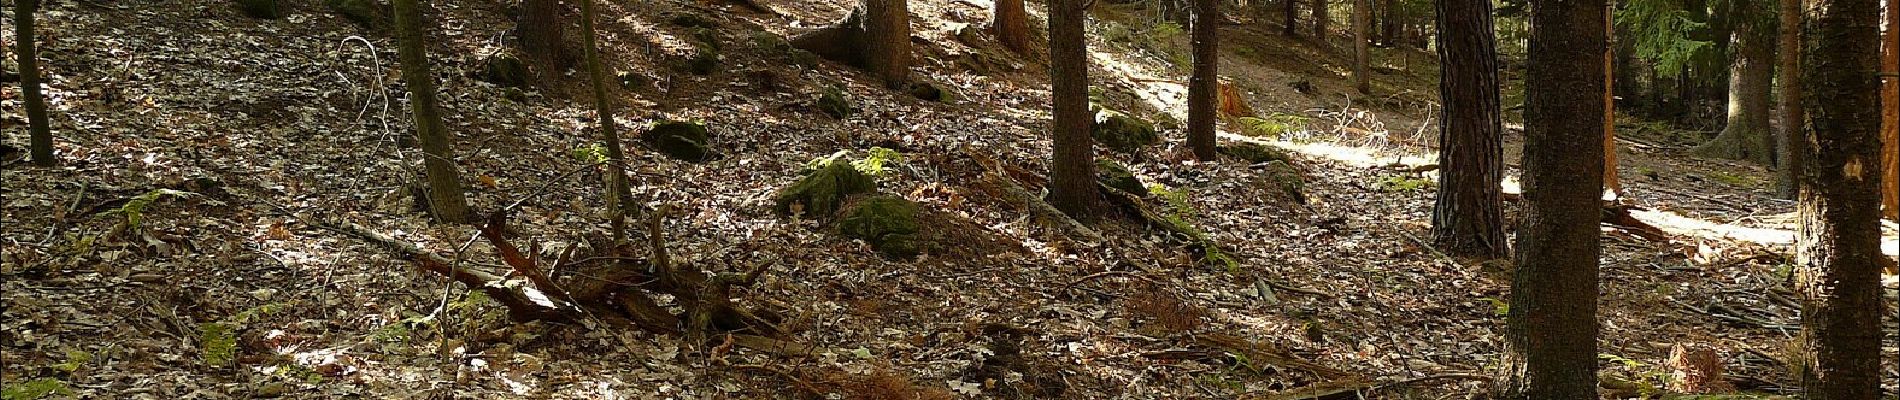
[994,172]
[525,304]
[1262,352]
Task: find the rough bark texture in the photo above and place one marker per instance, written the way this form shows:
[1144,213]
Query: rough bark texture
[1361,59]
[41,133]
[1320,18]
[1611,182]
[875,37]
[1292,18]
[1072,168]
[445,182]
[540,30]
[1751,76]
[1890,111]
[1204,83]
[1837,247]
[1466,218]
[1791,135]
[1009,21]
[618,194]
[1551,332]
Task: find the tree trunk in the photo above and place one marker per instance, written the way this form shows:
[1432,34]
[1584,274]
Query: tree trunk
[1792,133]
[1072,168]
[1361,27]
[40,132]
[1009,21]
[1320,18]
[445,183]
[1204,84]
[1551,331]
[540,29]
[618,194]
[875,37]
[1292,16]
[1389,15]
[1837,248]
[1747,135]
[1610,181]
[1466,217]
[1890,112]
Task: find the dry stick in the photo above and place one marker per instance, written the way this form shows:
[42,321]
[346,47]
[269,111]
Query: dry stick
[995,172]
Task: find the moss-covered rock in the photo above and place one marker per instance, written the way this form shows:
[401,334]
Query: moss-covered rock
[833,103]
[928,91]
[823,190]
[504,69]
[681,140]
[362,12]
[704,61]
[1287,178]
[889,223]
[1112,174]
[1255,153]
[265,9]
[1122,132]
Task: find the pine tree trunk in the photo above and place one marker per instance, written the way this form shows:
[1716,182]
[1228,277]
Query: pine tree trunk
[1551,331]
[1466,217]
[540,29]
[1791,133]
[1837,247]
[1009,21]
[1389,15]
[1204,84]
[1292,18]
[1361,27]
[1320,18]
[618,194]
[445,183]
[887,41]
[1610,181]
[1890,112]
[1072,169]
[1747,134]
[40,132]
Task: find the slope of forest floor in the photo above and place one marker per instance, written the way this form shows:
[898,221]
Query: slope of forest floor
[120,290]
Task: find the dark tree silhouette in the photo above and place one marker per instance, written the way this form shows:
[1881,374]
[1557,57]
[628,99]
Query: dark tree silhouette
[1204,84]
[1789,135]
[1361,59]
[1290,26]
[1466,220]
[446,200]
[1320,19]
[40,132]
[875,37]
[1072,169]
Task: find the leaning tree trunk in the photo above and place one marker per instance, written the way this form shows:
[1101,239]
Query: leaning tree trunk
[1790,136]
[875,37]
[1837,249]
[618,194]
[1072,168]
[540,30]
[1467,220]
[1551,331]
[1890,112]
[1204,84]
[1751,78]
[40,132]
[1010,23]
[1361,70]
[1291,22]
[446,200]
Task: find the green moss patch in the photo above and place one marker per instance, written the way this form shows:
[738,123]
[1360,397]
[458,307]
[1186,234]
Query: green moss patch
[1122,132]
[1255,153]
[823,190]
[681,140]
[889,223]
[1112,174]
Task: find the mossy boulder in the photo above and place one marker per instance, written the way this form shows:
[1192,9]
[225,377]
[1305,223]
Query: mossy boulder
[681,140]
[362,12]
[1287,178]
[832,102]
[928,91]
[504,69]
[1122,132]
[1112,174]
[704,61]
[265,9]
[889,223]
[823,190]
[1255,153]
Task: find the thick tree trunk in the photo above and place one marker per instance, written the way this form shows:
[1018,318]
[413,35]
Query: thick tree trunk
[1466,217]
[1751,77]
[1791,135]
[540,30]
[445,182]
[1361,58]
[1890,111]
[1072,168]
[1320,19]
[40,132]
[875,37]
[1292,18]
[1551,332]
[618,194]
[1837,248]
[1009,21]
[1204,84]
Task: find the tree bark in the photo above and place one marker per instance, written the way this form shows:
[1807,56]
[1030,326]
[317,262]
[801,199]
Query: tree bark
[1204,84]
[1390,14]
[1751,76]
[875,37]
[1009,21]
[1361,28]
[40,132]
[618,194]
[1791,135]
[1320,19]
[1610,181]
[1292,17]
[446,200]
[1551,331]
[540,29]
[1466,216]
[1890,112]
[1837,247]
[1072,168]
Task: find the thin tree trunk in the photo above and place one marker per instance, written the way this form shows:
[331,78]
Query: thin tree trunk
[1009,21]
[618,194]
[1890,112]
[1610,181]
[445,183]
[887,40]
[1837,247]
[1072,168]
[1320,18]
[1204,84]
[40,132]
[1389,22]
[1292,16]
[1792,133]
[1361,27]
[1751,76]
[1466,217]
[1551,331]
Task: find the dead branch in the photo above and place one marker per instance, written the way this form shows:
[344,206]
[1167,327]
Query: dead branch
[525,304]
[994,172]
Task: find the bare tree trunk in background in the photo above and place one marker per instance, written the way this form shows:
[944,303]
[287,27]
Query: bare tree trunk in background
[445,182]
[1467,216]
[1791,135]
[540,30]
[1551,331]
[1361,28]
[1890,111]
[1009,21]
[40,131]
[1837,247]
[1389,15]
[1204,83]
[1072,169]
[1292,16]
[1610,180]
[1751,77]
[618,194]
[1320,19]
[887,45]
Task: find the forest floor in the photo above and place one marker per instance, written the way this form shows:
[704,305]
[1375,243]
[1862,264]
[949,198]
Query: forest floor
[119,290]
